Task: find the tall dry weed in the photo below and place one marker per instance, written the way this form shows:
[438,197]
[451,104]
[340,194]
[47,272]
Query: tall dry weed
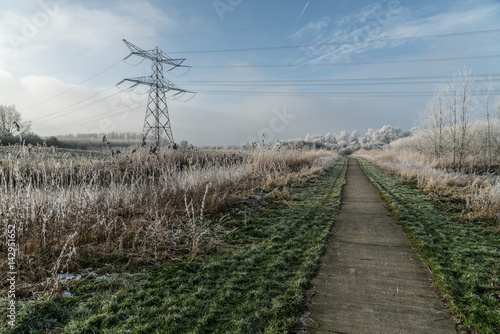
[75,212]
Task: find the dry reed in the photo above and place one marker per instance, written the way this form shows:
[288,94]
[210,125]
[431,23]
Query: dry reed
[75,212]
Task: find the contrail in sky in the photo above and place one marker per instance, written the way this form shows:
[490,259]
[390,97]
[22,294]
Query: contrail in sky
[307,4]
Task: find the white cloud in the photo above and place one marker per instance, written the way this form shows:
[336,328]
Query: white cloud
[33,34]
[345,35]
[111,110]
[462,19]
[8,86]
[314,29]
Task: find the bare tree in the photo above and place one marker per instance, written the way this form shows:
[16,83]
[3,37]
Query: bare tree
[432,121]
[11,122]
[448,118]
[489,132]
[468,107]
[498,107]
[451,118]
[461,106]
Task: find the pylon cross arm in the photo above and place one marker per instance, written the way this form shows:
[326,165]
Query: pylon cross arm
[161,84]
[155,55]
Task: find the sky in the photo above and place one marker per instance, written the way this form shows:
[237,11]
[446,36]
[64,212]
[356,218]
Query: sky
[272,69]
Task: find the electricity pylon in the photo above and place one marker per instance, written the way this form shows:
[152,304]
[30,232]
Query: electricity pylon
[157,120]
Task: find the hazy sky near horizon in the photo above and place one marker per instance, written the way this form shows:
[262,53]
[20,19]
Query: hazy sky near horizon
[278,68]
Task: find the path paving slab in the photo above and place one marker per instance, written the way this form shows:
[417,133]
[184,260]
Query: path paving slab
[371,280]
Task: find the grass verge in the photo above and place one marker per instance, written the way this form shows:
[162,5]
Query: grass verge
[464,259]
[256,284]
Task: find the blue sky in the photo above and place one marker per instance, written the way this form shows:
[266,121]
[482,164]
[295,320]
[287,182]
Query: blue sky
[278,68]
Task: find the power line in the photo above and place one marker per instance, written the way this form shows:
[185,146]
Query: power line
[286,82]
[68,111]
[283,65]
[335,94]
[494,77]
[344,81]
[351,63]
[274,93]
[96,118]
[376,40]
[328,84]
[75,104]
[267,66]
[73,87]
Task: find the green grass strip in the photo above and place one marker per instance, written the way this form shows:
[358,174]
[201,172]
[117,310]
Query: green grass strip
[256,284]
[464,259]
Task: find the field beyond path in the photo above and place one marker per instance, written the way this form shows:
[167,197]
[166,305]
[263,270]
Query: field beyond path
[371,280]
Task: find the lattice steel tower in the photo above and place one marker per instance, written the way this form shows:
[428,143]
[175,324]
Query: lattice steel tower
[157,120]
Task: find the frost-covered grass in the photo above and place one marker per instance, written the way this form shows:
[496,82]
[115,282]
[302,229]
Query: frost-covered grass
[464,259]
[475,197]
[76,211]
[255,283]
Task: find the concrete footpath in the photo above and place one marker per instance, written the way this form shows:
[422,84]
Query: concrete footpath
[371,280]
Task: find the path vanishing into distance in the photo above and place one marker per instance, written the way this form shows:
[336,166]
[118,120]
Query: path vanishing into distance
[371,280]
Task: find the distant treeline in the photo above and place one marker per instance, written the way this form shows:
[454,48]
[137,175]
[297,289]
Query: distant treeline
[113,135]
[7,139]
[95,141]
